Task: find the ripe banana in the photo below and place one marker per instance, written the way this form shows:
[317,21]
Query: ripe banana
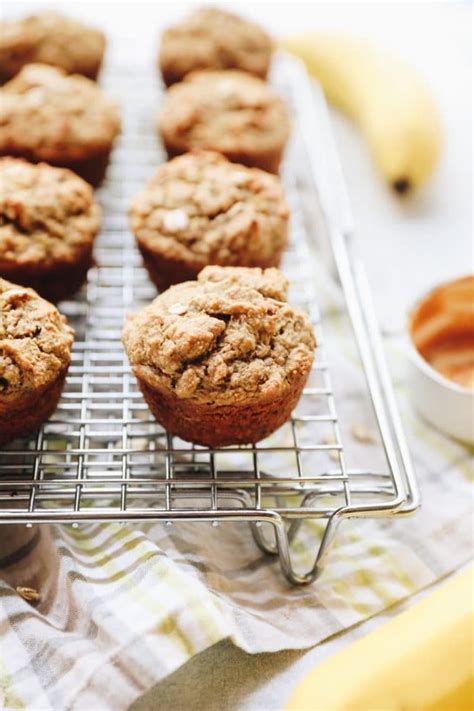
[422,660]
[385,97]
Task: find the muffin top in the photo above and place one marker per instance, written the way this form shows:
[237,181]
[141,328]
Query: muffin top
[200,207]
[50,38]
[35,341]
[51,115]
[211,38]
[228,337]
[226,111]
[46,214]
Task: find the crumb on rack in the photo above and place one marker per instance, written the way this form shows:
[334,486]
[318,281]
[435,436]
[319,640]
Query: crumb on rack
[330,438]
[362,433]
[29,594]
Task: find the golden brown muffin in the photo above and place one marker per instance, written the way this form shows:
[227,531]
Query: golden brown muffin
[221,360]
[50,38]
[35,352]
[200,209]
[230,112]
[48,222]
[65,120]
[211,38]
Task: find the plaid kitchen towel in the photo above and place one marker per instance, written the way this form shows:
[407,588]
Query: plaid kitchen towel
[122,606]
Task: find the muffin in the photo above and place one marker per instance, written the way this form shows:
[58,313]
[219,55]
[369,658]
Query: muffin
[211,38]
[50,38]
[200,209]
[65,120]
[231,112]
[221,360]
[48,222]
[35,352]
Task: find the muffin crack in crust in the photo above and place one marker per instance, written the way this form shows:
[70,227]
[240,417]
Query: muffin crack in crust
[227,338]
[200,207]
[46,213]
[35,341]
[54,116]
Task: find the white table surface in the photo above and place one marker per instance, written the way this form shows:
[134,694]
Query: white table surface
[407,245]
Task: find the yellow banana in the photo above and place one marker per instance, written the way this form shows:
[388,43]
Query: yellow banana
[422,660]
[384,96]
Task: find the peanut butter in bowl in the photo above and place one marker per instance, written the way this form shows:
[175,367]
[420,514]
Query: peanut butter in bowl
[441,330]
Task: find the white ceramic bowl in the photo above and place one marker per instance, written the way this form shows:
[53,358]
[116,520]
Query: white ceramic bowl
[443,402]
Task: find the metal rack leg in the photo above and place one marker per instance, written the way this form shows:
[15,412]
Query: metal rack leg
[266,546]
[271,547]
[285,556]
[281,547]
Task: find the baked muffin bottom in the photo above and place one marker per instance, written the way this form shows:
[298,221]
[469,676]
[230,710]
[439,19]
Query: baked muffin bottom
[22,416]
[91,168]
[214,425]
[90,72]
[269,160]
[54,283]
[165,271]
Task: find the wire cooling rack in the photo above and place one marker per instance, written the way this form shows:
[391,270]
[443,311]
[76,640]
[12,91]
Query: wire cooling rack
[102,457]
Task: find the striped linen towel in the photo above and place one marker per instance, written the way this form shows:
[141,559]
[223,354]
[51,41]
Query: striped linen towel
[122,606]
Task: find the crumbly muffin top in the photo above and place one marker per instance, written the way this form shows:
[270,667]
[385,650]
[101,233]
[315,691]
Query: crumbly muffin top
[224,111]
[54,115]
[50,38]
[35,341]
[215,39]
[200,207]
[46,213]
[228,337]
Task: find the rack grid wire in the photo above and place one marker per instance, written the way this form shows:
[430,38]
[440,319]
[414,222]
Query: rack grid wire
[102,456]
